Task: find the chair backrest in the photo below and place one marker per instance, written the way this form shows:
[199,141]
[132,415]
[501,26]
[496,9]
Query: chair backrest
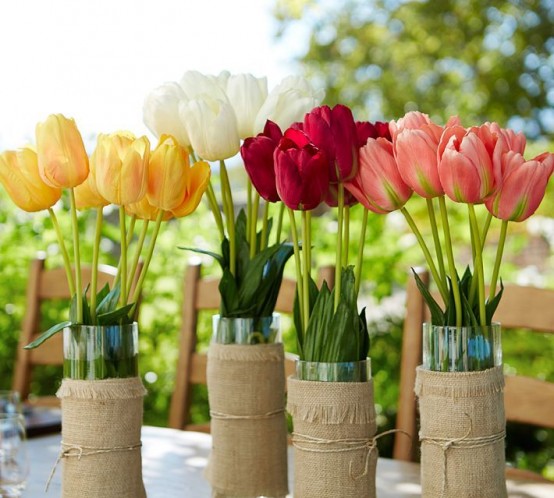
[46,285]
[527,400]
[203,294]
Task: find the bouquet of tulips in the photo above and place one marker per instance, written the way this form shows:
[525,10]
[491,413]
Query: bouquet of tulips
[150,186]
[210,116]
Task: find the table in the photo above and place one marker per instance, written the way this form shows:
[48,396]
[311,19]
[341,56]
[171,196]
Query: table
[174,462]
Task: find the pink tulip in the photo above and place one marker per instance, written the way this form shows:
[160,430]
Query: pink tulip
[334,131]
[301,171]
[466,168]
[378,184]
[257,154]
[523,186]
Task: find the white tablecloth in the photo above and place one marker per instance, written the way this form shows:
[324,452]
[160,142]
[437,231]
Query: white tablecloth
[174,462]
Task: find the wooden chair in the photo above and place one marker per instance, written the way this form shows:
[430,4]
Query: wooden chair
[46,285]
[527,400]
[203,294]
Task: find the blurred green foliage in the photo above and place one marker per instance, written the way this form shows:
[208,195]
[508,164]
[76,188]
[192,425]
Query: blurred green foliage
[484,61]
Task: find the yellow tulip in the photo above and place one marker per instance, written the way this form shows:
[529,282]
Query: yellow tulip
[143,210]
[172,184]
[122,167]
[20,176]
[62,158]
[86,194]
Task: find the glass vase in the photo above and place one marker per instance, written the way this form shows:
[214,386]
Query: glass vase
[238,330]
[351,371]
[461,349]
[100,352]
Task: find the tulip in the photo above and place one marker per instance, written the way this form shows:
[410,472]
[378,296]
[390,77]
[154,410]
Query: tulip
[161,112]
[466,168]
[20,176]
[246,95]
[62,158]
[122,167]
[366,130]
[523,186]
[378,184]
[334,131]
[86,194]
[287,103]
[172,184]
[257,154]
[212,127]
[332,197]
[143,210]
[196,85]
[301,171]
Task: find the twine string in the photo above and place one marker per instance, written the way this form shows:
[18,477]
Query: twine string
[461,442]
[230,416]
[78,451]
[341,446]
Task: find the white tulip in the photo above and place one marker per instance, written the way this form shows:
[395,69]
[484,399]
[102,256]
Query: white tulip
[197,85]
[212,127]
[161,112]
[246,94]
[288,102]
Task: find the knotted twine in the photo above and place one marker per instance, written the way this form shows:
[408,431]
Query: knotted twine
[246,392]
[101,448]
[462,433]
[334,438]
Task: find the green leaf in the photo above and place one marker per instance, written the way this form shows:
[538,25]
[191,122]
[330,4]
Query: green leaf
[437,314]
[491,306]
[110,301]
[214,255]
[116,317]
[46,335]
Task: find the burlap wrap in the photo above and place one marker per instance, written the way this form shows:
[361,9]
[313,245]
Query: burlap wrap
[246,391]
[334,428]
[462,433]
[101,423]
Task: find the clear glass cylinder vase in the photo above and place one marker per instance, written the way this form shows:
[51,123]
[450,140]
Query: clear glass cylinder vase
[461,349]
[100,352]
[238,330]
[348,371]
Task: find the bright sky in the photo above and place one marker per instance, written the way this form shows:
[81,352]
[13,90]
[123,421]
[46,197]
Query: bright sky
[95,60]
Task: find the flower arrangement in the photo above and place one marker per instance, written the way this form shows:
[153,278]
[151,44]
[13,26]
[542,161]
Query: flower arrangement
[211,116]
[448,166]
[150,186]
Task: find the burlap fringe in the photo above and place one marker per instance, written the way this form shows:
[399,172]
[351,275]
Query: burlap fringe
[238,352]
[459,384]
[311,406]
[102,389]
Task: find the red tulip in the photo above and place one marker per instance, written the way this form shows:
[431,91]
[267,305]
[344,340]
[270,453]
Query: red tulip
[332,198]
[257,154]
[334,131]
[523,186]
[366,130]
[301,171]
[466,168]
[378,184]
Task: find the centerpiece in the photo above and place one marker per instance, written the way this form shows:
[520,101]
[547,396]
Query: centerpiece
[212,115]
[460,383]
[101,393]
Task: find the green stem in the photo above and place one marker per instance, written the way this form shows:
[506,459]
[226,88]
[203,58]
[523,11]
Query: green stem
[249,211]
[360,260]
[279,223]
[149,253]
[451,264]
[478,263]
[346,236]
[485,231]
[229,210]
[428,258]
[65,255]
[136,258]
[254,226]
[123,256]
[298,265]
[306,250]
[338,258]
[76,255]
[95,256]
[214,207]
[264,241]
[436,240]
[131,229]
[498,259]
